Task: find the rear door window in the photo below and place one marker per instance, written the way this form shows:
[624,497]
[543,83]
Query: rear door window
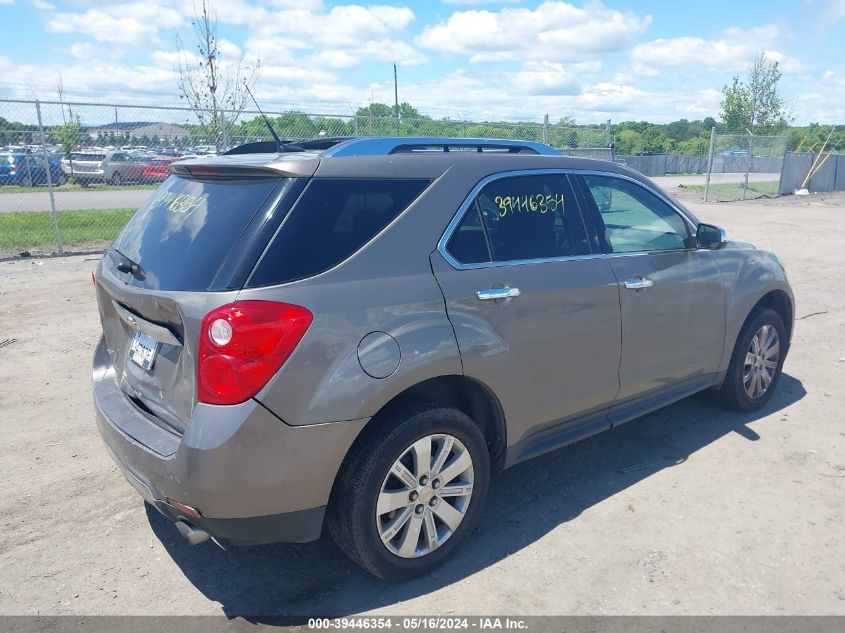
[532,217]
[183,234]
[332,220]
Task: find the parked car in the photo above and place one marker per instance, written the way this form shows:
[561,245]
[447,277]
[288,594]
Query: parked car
[158,169]
[359,336]
[102,166]
[26,170]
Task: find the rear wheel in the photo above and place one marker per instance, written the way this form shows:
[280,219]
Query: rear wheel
[411,491]
[116,178]
[62,179]
[756,362]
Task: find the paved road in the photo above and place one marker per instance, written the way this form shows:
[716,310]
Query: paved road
[672,182]
[133,198]
[74,200]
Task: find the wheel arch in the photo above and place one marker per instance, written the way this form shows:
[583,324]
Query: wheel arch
[778,300]
[468,395]
[781,303]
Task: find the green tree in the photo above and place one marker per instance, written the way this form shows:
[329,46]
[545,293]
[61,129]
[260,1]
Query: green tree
[67,136]
[755,103]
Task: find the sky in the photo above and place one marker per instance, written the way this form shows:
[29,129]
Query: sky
[516,59]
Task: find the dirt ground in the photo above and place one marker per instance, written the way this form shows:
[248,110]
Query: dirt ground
[689,510]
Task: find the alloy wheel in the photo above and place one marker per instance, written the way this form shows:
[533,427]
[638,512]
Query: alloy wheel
[761,362]
[424,497]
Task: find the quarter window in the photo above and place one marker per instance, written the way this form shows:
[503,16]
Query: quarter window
[468,243]
[332,220]
[635,219]
[525,217]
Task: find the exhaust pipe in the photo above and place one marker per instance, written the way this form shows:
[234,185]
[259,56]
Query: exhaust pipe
[191,534]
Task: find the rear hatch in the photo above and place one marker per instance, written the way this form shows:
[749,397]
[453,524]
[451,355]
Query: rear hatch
[188,250]
[9,165]
[85,162]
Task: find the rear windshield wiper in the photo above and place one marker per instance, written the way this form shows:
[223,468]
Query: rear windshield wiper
[124,264]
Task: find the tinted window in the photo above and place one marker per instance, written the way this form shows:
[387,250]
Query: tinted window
[184,232]
[635,219]
[332,220]
[79,156]
[532,217]
[468,243]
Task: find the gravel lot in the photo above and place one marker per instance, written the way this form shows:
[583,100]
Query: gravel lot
[690,510]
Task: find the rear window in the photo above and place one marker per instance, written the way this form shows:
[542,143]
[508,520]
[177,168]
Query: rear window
[332,220]
[83,157]
[182,235]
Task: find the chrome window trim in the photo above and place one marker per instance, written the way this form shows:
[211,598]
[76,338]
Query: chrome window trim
[470,199]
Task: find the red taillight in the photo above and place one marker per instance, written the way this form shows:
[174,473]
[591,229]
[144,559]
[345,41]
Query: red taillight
[243,344]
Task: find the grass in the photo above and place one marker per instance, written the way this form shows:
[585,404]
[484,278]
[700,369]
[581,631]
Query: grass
[72,187]
[733,190]
[24,230]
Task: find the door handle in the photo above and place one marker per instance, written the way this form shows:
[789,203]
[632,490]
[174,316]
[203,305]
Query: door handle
[497,293]
[638,283]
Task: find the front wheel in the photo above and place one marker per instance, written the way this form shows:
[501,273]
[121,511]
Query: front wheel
[116,179]
[413,489]
[756,362]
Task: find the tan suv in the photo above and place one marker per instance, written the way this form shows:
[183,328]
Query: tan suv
[113,167]
[358,333]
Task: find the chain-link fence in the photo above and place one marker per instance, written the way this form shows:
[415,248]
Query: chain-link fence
[743,166]
[71,174]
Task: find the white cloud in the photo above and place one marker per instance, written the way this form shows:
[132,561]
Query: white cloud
[343,25]
[386,51]
[130,24]
[7,1]
[82,50]
[42,5]
[467,2]
[731,53]
[546,78]
[834,10]
[343,37]
[554,31]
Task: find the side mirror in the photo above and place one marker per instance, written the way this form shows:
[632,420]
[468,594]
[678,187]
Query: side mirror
[710,236]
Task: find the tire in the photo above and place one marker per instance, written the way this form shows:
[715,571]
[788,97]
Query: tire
[367,483]
[739,391]
[26,181]
[62,180]
[116,179]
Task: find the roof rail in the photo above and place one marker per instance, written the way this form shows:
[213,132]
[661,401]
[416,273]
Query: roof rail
[382,146]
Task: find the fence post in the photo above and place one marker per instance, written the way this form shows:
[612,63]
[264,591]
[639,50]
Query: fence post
[49,178]
[748,161]
[607,134]
[546,129]
[355,124]
[709,162]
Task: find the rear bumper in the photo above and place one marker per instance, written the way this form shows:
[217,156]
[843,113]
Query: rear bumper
[253,478]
